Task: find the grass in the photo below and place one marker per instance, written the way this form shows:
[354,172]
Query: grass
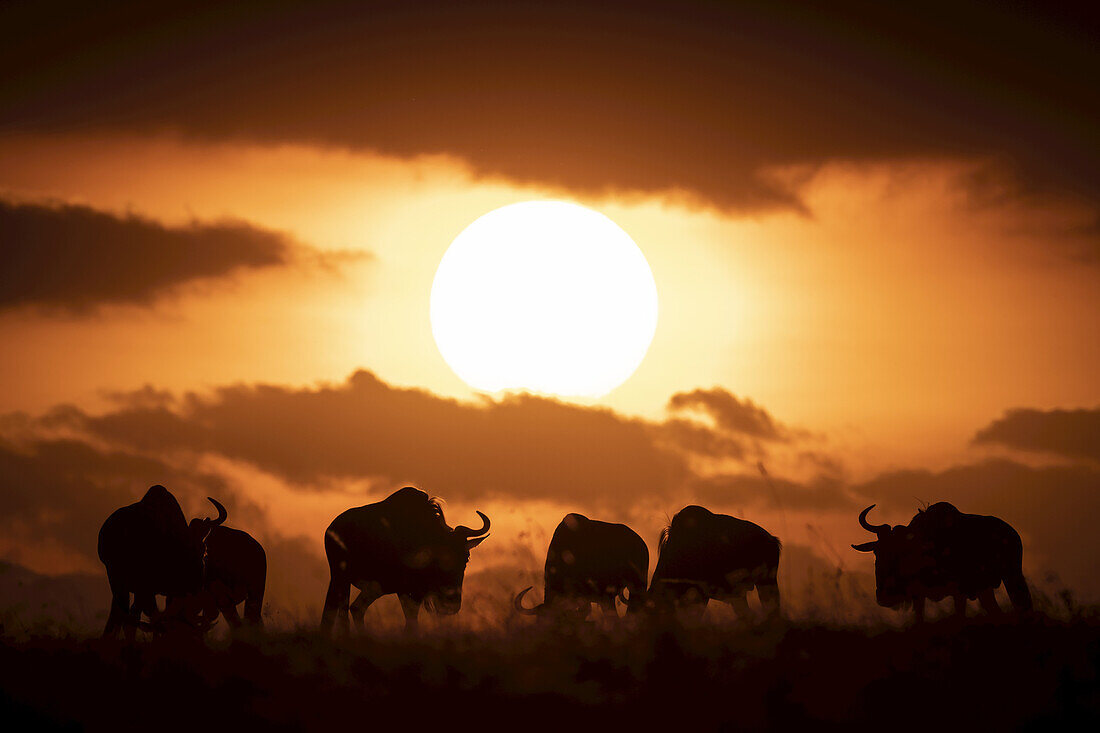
[1037,673]
[836,661]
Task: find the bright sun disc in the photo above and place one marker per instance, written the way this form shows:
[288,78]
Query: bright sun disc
[545,296]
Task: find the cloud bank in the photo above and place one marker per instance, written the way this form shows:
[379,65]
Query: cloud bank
[63,472]
[75,259]
[1070,433]
[689,98]
[730,414]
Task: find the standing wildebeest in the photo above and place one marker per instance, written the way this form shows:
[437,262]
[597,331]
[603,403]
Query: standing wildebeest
[704,555]
[943,552]
[591,562]
[400,545]
[149,551]
[236,572]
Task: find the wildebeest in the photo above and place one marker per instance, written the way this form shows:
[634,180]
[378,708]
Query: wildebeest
[149,551]
[400,545]
[704,555]
[944,552]
[236,572]
[588,562]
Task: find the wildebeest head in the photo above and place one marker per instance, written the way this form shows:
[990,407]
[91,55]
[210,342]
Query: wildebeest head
[564,609]
[901,555]
[200,529]
[445,564]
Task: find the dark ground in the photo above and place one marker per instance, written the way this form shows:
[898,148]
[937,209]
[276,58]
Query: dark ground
[1035,675]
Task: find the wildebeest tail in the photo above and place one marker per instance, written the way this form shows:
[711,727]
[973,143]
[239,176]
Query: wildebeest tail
[1018,593]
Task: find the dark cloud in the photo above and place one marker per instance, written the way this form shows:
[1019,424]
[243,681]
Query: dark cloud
[696,98]
[698,439]
[521,446]
[731,414]
[56,493]
[59,491]
[74,258]
[1070,433]
[824,493]
[1054,508]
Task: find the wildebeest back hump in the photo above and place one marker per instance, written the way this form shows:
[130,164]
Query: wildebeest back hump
[393,530]
[992,544]
[575,543]
[148,542]
[605,553]
[972,550]
[155,524]
[744,544]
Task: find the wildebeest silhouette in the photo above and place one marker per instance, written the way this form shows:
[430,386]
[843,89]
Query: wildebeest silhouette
[149,551]
[944,552]
[588,562]
[704,555]
[235,572]
[400,545]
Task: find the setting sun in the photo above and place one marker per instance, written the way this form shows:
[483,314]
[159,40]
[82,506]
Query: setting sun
[544,296]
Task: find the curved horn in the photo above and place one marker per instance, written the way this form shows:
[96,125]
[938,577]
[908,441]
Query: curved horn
[517,603]
[876,528]
[222,514]
[468,533]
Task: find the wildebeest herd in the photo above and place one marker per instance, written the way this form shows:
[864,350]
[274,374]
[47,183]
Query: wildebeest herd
[403,545]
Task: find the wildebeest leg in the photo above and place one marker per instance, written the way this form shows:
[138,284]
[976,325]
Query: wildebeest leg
[769,597]
[229,611]
[411,607]
[146,603]
[336,603]
[960,605]
[114,619]
[918,610]
[367,596]
[1018,592]
[740,606]
[254,600]
[989,602]
[253,610]
[133,615]
[120,609]
[210,604]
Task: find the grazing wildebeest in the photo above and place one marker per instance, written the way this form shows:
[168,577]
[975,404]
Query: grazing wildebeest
[236,572]
[149,551]
[591,562]
[943,552]
[400,545]
[704,555]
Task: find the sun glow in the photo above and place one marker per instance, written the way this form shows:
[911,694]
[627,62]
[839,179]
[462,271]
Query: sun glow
[545,296]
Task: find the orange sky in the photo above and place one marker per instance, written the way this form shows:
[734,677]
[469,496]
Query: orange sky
[879,306]
[895,315]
